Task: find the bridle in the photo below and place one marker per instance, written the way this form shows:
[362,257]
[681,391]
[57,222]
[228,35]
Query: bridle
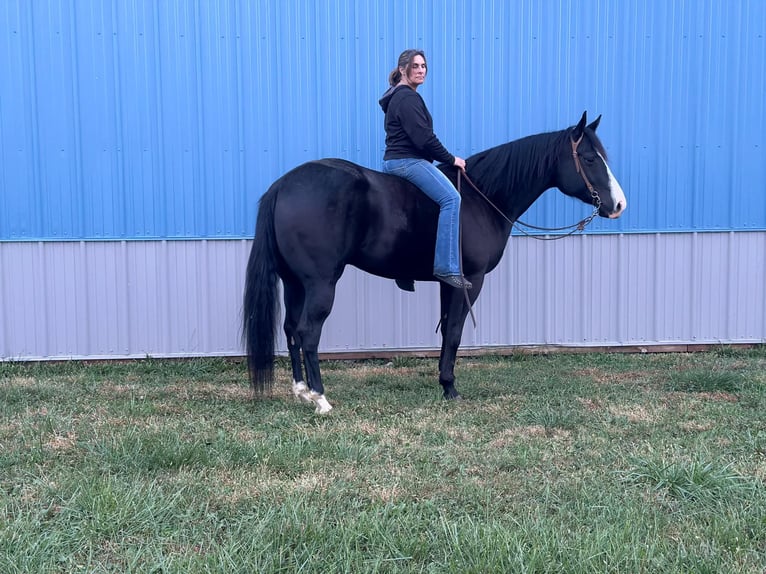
[521,226]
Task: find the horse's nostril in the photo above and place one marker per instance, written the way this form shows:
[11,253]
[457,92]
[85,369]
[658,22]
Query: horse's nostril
[618,209]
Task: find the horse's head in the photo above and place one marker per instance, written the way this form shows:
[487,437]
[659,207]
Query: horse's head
[583,172]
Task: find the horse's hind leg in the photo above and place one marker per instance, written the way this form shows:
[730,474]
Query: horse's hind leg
[294,300]
[317,305]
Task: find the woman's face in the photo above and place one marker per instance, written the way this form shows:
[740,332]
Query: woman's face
[416,74]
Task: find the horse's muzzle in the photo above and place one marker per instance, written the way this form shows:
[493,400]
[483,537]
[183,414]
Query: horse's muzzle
[619,208]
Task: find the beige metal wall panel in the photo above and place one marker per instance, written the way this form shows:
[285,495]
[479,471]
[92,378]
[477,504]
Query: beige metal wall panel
[183,298]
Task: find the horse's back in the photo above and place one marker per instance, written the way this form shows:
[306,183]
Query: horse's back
[343,187]
[344,166]
[333,173]
[335,211]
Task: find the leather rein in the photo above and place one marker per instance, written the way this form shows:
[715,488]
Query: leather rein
[521,226]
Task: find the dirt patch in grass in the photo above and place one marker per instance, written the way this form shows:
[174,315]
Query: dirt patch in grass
[691,397]
[694,426]
[760,472]
[634,413]
[366,427]
[111,390]
[385,493]
[62,442]
[19,382]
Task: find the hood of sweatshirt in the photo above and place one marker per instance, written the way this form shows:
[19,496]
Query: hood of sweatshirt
[386,97]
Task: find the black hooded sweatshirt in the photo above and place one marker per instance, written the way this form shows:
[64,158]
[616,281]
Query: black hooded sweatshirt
[410,128]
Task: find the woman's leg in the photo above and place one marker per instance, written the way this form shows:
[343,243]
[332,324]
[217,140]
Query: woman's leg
[439,188]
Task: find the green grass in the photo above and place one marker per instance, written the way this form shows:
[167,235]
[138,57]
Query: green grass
[554,463]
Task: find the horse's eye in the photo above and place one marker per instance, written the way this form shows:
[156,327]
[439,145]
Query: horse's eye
[589,159]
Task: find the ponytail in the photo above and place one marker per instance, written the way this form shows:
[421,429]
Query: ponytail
[394,77]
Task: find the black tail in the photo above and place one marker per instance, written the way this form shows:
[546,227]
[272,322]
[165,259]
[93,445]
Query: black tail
[260,308]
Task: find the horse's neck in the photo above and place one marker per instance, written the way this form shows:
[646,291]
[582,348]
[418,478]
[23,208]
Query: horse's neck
[520,195]
[523,180]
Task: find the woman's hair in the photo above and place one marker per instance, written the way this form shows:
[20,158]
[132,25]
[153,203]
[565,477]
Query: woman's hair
[405,60]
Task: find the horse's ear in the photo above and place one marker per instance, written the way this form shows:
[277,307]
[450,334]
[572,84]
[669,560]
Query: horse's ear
[578,129]
[594,125]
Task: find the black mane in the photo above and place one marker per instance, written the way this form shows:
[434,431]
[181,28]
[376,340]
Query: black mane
[502,167]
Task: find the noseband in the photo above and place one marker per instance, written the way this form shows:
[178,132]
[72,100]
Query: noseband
[520,225]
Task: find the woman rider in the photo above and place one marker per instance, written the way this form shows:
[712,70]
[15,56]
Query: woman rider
[411,148]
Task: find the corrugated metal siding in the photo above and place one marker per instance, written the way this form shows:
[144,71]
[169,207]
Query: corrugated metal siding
[137,119]
[183,298]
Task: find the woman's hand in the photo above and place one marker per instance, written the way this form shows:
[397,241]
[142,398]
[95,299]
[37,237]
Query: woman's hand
[459,163]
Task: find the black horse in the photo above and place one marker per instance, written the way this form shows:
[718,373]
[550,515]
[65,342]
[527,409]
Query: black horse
[326,214]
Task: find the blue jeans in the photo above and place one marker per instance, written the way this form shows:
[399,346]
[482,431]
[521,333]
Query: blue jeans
[438,187]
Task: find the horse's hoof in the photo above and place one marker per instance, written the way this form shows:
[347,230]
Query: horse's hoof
[454,396]
[323,410]
[322,404]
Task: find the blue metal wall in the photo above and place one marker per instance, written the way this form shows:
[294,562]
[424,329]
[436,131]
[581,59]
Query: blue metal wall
[136,119]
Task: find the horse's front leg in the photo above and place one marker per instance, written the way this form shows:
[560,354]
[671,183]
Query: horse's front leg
[454,311]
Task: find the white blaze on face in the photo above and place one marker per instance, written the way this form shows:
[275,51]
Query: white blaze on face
[615,192]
